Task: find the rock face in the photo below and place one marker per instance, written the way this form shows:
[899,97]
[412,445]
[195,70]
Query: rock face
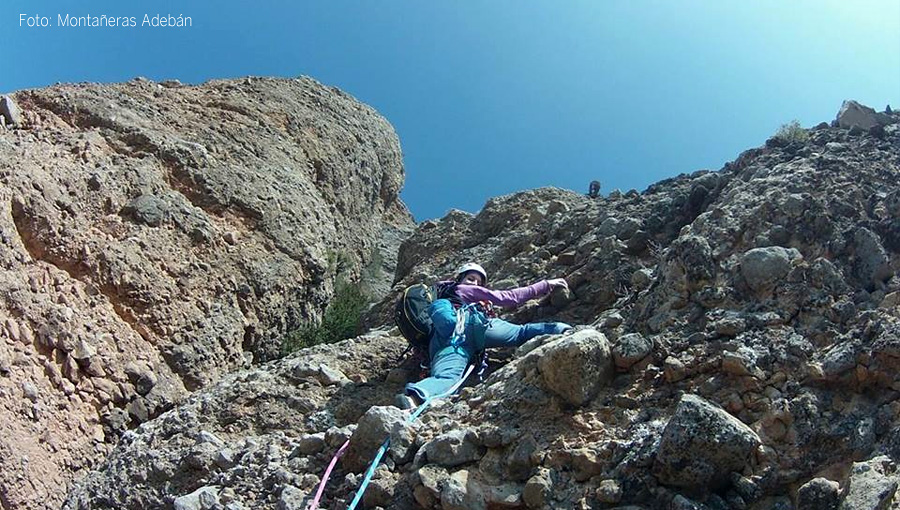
[742,395]
[157,237]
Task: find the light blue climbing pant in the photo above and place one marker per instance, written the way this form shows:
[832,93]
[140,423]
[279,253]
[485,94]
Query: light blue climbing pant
[449,362]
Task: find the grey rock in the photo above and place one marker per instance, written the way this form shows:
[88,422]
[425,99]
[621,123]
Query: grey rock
[292,498]
[537,490]
[311,444]
[763,267]
[854,114]
[326,375]
[83,350]
[680,502]
[204,498]
[455,492]
[609,491]
[701,445]
[148,210]
[226,458]
[560,297]
[872,263]
[818,494]
[30,391]
[453,449]
[870,486]
[519,461]
[379,423]
[336,436]
[10,112]
[577,366]
[204,436]
[629,349]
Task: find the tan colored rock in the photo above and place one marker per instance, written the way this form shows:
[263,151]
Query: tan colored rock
[127,258]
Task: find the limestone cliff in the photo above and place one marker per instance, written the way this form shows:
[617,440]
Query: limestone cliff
[156,236]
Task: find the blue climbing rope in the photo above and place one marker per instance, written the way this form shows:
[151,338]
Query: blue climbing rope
[462,316]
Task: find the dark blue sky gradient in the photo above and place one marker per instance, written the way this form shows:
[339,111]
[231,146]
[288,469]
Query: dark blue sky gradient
[491,97]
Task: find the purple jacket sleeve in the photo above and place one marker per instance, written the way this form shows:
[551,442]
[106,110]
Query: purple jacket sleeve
[511,297]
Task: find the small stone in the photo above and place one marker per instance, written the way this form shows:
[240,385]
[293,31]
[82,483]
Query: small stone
[609,492]
[673,369]
[455,494]
[560,297]
[586,464]
[10,111]
[292,498]
[30,391]
[453,449]
[641,278]
[890,302]
[12,328]
[870,487]
[204,498]
[231,238]
[566,259]
[855,115]
[762,268]
[83,350]
[378,423]
[630,349]
[397,376]
[519,461]
[311,444]
[226,458]
[537,490]
[818,494]
[67,387]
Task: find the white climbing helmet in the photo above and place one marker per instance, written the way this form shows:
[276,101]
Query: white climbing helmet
[471,266]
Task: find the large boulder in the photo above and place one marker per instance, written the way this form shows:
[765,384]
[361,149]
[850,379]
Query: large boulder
[578,366]
[855,114]
[702,445]
[762,268]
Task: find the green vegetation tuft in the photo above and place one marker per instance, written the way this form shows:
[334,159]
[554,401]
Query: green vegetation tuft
[342,314]
[338,322]
[792,132]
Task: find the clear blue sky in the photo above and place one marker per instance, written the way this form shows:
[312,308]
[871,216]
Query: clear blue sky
[491,97]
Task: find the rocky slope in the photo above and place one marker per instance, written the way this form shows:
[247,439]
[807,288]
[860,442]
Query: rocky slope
[156,236]
[738,347]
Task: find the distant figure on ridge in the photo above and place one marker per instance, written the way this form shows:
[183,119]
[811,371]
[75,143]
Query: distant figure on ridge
[594,190]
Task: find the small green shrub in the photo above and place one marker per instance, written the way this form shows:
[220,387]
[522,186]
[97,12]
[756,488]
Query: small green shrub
[338,322]
[792,132]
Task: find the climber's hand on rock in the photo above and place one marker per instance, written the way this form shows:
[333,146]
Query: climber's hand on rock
[558,282]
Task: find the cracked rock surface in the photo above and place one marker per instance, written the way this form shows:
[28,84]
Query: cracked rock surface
[156,237]
[736,346]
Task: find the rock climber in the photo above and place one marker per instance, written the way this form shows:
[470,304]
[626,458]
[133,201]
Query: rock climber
[449,358]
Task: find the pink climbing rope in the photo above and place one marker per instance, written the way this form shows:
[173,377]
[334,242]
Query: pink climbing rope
[314,504]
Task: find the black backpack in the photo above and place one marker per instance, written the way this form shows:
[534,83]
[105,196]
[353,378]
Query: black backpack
[411,312]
